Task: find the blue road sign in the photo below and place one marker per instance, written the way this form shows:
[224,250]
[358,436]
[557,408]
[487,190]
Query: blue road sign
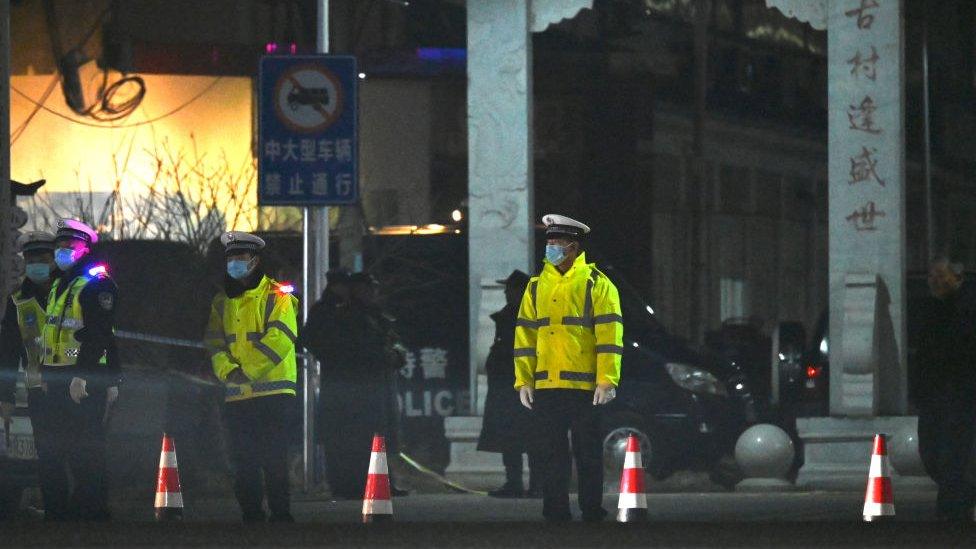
[308,128]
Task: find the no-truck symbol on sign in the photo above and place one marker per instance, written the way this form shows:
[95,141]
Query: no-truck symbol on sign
[308,98]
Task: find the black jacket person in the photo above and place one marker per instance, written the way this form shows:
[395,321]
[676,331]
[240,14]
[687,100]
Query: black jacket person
[360,355]
[80,373]
[508,428]
[945,388]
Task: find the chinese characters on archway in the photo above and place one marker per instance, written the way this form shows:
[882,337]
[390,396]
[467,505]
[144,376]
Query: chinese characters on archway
[862,114]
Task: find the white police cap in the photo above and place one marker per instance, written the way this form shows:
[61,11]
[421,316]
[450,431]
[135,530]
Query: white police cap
[35,241]
[560,225]
[72,228]
[239,241]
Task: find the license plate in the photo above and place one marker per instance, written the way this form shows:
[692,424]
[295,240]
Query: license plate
[21,447]
[811,384]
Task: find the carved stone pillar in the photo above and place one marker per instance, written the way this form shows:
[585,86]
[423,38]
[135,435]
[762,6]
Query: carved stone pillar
[866,149]
[500,205]
[500,190]
[866,144]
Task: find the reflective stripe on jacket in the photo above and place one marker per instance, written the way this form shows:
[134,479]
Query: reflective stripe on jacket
[569,332]
[255,332]
[30,319]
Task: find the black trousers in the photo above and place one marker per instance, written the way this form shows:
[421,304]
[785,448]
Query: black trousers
[513,469]
[946,429]
[259,433]
[70,437]
[559,411]
[351,414]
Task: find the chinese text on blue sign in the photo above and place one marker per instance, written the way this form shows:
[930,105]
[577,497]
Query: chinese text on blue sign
[307,130]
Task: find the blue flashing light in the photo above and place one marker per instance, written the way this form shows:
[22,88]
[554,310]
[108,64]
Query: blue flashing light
[98,270]
[286,288]
[442,54]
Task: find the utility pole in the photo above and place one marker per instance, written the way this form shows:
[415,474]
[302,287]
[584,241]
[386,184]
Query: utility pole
[6,246]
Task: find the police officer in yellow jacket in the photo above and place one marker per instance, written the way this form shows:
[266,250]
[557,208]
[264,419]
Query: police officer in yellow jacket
[251,336]
[20,330]
[80,377]
[568,346]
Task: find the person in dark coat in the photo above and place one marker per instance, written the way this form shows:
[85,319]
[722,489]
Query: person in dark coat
[312,336]
[508,426]
[360,355]
[322,312]
[944,386]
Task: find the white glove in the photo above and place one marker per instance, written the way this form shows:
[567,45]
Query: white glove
[527,396]
[603,394]
[78,389]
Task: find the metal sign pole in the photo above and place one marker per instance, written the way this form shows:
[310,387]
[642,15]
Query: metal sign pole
[308,401]
[315,259]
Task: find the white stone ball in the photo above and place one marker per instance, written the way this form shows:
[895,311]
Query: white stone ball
[764,451]
[903,450]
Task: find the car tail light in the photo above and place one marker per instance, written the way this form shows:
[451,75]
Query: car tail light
[813,372]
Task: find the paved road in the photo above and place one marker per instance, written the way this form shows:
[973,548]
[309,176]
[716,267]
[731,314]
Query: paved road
[515,534]
[730,519]
[707,507]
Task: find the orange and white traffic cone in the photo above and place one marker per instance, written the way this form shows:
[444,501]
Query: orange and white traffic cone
[879,500]
[169,497]
[377,506]
[632,505]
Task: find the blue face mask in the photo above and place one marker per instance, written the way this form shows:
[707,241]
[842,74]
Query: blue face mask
[38,272]
[238,268]
[64,258]
[555,254]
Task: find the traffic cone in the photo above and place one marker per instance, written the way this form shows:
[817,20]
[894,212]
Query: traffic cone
[377,506]
[169,497]
[879,500]
[632,505]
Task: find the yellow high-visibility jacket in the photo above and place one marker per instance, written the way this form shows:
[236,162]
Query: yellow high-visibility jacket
[31,317]
[64,319]
[569,332]
[255,332]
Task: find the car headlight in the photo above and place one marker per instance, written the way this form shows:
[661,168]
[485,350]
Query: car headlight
[695,379]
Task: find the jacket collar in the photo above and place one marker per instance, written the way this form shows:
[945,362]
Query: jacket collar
[261,286]
[66,278]
[236,288]
[551,269]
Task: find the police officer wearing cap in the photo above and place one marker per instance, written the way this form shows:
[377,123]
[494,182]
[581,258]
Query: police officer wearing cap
[251,336]
[20,330]
[80,375]
[568,346]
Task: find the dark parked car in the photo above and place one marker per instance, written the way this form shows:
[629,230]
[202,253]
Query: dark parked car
[686,407]
[805,376]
